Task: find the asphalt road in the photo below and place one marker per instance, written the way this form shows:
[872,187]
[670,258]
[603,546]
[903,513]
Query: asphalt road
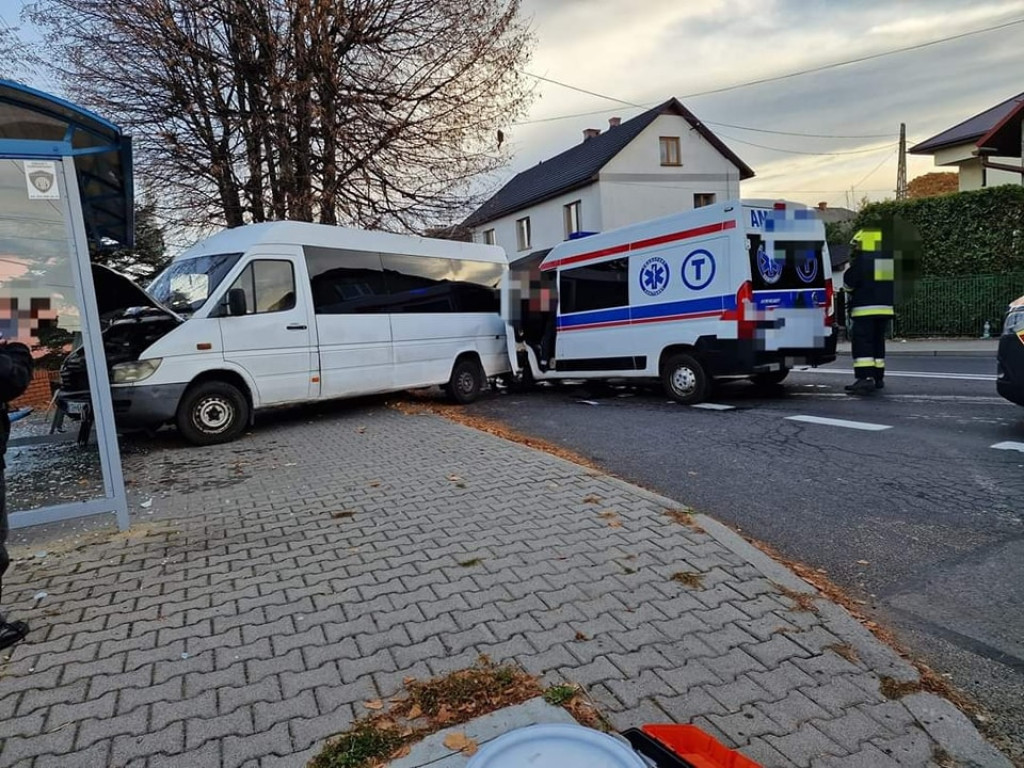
[922,520]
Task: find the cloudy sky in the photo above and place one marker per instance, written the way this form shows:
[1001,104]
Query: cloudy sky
[642,52]
[645,51]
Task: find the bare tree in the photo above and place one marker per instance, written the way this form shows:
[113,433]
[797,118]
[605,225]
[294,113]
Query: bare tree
[13,53]
[378,113]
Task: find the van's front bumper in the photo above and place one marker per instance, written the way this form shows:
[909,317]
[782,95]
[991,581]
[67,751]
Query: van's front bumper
[136,406]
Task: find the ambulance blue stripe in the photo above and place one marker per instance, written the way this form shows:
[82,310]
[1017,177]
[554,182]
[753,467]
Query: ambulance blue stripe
[648,313]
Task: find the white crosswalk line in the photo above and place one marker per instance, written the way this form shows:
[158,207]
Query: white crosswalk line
[714,407]
[1008,445]
[862,425]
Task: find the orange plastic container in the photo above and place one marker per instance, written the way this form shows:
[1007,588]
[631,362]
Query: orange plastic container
[699,749]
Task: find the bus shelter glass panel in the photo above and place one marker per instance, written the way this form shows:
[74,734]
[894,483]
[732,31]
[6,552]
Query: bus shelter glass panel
[53,458]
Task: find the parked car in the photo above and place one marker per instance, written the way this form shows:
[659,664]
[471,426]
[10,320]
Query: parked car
[1010,379]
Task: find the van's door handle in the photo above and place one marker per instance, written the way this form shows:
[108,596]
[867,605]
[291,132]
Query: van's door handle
[296,327]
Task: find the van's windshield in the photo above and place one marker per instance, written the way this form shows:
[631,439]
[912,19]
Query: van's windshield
[186,285]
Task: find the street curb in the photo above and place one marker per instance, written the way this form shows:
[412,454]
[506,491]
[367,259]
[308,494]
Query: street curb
[954,731]
[890,352]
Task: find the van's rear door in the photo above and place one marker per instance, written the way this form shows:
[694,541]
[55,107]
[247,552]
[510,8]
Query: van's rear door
[789,277]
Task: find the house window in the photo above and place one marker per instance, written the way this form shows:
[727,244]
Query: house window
[489,237]
[523,233]
[571,214]
[700,199]
[670,150]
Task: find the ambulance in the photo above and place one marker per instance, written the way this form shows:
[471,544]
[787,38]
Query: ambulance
[738,289]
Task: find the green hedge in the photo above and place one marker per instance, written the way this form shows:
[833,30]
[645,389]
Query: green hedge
[966,233]
[957,306]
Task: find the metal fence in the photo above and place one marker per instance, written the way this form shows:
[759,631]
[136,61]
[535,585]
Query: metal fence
[957,306]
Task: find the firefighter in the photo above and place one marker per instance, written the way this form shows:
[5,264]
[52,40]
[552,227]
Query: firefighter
[869,280]
[15,375]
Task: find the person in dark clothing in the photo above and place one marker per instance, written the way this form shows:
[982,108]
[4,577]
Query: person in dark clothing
[15,375]
[870,282]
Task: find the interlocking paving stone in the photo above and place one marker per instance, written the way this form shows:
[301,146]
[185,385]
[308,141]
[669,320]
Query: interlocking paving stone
[241,624]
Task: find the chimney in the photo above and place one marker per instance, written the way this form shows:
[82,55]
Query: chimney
[822,205]
[614,122]
[591,133]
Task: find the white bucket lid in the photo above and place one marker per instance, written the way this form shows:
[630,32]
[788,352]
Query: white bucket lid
[556,746]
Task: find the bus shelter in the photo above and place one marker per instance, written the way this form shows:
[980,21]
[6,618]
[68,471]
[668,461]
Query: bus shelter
[65,191]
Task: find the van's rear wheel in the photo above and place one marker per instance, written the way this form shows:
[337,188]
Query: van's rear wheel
[467,382]
[684,379]
[212,412]
[770,378]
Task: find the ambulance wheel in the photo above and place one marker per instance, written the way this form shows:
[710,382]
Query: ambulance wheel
[467,382]
[770,378]
[684,379]
[212,412]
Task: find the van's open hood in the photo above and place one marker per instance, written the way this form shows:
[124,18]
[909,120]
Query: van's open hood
[117,293]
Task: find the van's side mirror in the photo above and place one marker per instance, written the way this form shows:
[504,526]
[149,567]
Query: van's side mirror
[236,301]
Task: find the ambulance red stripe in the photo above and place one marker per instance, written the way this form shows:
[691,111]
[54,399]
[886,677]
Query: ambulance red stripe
[686,234]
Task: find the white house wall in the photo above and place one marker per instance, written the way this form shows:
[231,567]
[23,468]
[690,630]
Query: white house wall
[547,222]
[635,186]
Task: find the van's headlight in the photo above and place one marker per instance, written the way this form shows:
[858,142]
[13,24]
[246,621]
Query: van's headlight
[129,373]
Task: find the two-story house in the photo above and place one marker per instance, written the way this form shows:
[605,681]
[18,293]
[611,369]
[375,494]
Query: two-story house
[660,162]
[985,149]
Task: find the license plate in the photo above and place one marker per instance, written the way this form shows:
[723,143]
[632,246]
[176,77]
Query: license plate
[75,408]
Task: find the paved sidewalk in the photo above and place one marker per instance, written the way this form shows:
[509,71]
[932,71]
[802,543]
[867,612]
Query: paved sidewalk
[935,347]
[287,578]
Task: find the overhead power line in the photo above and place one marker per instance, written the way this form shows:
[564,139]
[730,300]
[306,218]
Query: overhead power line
[803,152]
[760,81]
[857,60]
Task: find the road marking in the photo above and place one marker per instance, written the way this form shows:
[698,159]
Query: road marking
[903,374]
[714,407]
[864,425]
[980,399]
[1008,446]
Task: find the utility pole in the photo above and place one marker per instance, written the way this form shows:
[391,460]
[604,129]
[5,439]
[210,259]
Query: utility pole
[901,171]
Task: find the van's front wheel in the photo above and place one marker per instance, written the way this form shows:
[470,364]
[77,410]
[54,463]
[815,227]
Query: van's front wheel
[684,379]
[212,412]
[467,382]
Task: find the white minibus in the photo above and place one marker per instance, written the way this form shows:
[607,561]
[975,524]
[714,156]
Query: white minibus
[288,312]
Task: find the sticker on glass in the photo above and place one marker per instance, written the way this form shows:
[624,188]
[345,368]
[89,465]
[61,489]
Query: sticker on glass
[41,178]
[768,266]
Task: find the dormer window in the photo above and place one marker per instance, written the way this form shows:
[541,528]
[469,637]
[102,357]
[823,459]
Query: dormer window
[670,150]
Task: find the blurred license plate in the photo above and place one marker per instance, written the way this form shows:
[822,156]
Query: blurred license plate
[74,407]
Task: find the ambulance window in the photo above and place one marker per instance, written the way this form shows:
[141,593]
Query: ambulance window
[595,286]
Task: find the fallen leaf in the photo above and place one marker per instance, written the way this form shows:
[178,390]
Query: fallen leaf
[341,514]
[443,714]
[454,478]
[374,705]
[375,484]
[460,742]
[415,712]
[591,499]
[580,636]
[606,513]
[614,523]
[402,751]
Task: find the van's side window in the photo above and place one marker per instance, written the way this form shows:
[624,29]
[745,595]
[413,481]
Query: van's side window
[346,282]
[595,286]
[269,286]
